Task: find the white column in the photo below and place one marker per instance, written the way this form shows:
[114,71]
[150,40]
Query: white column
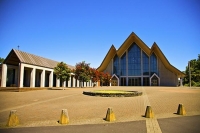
[92,84]
[4,75]
[181,81]
[51,79]
[84,84]
[57,82]
[69,82]
[32,82]
[64,84]
[77,83]
[87,84]
[21,80]
[74,82]
[42,79]
[97,84]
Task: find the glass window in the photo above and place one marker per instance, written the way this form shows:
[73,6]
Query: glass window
[145,60]
[146,81]
[123,81]
[116,65]
[134,60]
[123,65]
[134,81]
[153,64]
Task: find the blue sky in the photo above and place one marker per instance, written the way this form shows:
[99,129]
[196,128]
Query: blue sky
[83,30]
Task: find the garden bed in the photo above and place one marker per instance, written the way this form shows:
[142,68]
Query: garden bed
[112,93]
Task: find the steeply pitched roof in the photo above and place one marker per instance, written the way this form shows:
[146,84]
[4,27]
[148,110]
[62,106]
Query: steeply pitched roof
[16,56]
[127,43]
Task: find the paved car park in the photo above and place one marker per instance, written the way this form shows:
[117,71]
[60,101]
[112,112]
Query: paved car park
[42,109]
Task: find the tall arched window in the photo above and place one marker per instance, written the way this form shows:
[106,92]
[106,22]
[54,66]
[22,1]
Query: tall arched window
[145,60]
[116,65]
[153,64]
[134,60]
[123,65]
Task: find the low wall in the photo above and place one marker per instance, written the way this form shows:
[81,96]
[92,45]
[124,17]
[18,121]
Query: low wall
[17,89]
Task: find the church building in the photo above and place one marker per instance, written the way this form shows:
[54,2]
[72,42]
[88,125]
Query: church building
[135,64]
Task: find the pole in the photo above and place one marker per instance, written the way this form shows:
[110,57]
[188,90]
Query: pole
[189,73]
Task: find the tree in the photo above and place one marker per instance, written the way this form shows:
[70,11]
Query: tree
[1,60]
[195,72]
[102,78]
[107,78]
[62,72]
[82,72]
[94,75]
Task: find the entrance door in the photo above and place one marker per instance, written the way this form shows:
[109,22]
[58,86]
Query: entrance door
[114,81]
[154,81]
[134,81]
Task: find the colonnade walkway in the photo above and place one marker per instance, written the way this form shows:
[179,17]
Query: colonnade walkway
[42,109]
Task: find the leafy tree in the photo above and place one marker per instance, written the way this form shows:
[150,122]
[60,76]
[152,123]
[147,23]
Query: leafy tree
[94,75]
[82,72]
[102,78]
[195,72]
[107,78]
[62,72]
[1,60]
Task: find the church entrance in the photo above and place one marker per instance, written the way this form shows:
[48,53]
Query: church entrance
[134,81]
[154,81]
[114,81]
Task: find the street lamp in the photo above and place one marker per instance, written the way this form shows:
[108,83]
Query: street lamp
[189,72]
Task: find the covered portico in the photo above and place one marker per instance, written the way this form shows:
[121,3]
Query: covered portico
[21,69]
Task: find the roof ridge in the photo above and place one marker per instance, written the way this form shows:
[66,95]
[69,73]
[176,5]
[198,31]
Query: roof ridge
[34,55]
[33,59]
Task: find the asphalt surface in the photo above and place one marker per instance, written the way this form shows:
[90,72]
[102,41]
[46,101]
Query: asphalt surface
[123,127]
[185,124]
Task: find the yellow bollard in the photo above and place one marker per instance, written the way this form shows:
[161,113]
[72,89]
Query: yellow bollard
[110,116]
[149,112]
[13,119]
[181,110]
[64,118]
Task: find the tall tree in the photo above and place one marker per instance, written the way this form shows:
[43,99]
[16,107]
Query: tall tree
[94,75]
[195,72]
[62,72]
[82,72]
[102,78]
[1,60]
[107,78]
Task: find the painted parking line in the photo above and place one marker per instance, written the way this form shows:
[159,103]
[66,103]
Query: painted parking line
[35,103]
[151,123]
